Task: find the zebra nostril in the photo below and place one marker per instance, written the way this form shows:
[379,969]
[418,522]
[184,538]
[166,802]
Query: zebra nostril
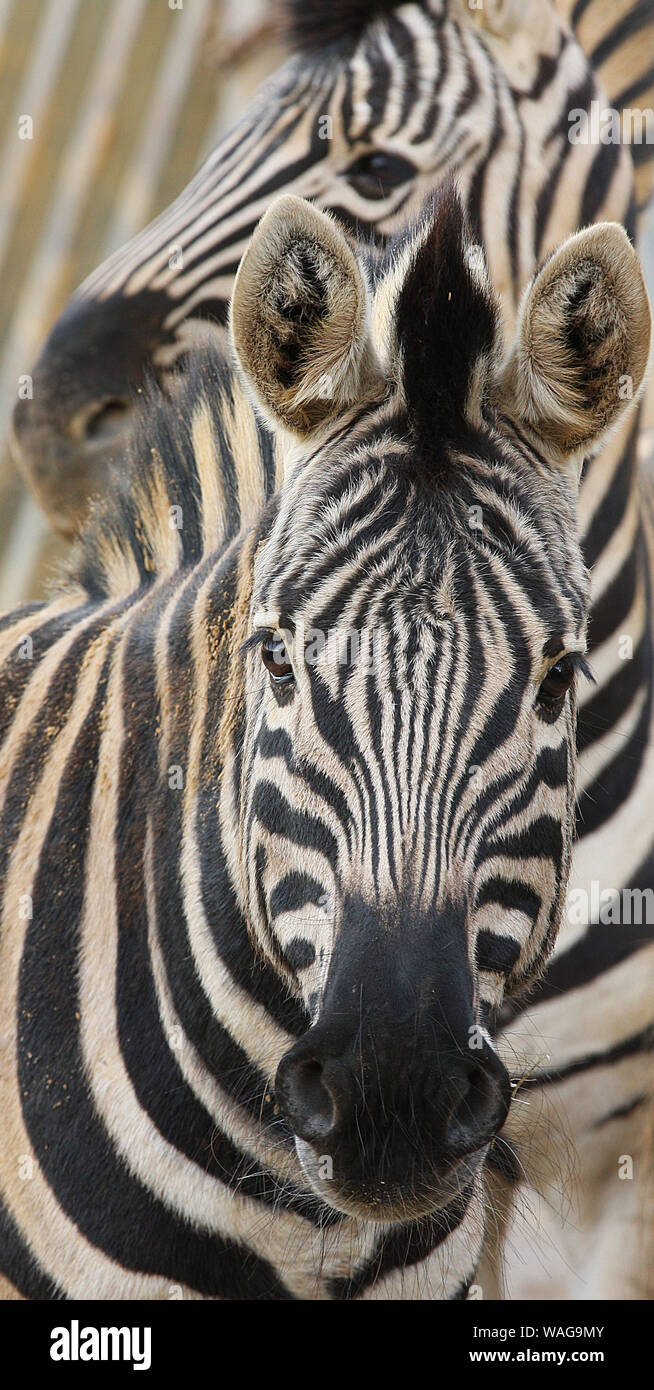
[107,420]
[480,1108]
[305,1098]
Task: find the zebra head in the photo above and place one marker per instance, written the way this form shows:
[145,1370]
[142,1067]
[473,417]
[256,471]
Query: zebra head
[378,101]
[417,617]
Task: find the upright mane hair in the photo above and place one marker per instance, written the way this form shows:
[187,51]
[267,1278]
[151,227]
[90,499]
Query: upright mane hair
[314,23]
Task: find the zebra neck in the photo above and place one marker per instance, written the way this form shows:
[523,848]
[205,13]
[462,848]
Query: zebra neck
[615,714]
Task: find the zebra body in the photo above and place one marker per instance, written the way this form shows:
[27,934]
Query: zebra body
[489,95]
[173,808]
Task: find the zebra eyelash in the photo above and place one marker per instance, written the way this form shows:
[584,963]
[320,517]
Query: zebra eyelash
[581,665]
[261,634]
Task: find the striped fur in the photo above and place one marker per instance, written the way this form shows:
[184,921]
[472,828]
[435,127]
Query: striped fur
[426,89]
[489,93]
[619,40]
[156,792]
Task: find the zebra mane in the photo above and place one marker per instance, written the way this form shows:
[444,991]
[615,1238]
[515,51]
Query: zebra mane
[315,23]
[181,492]
[447,324]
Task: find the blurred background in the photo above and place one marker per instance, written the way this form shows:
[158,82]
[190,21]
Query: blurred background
[126,98]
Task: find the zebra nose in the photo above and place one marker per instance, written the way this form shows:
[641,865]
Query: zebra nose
[480,1094]
[470,1102]
[67,456]
[313,1096]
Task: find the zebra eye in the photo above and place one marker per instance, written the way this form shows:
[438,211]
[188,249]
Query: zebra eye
[556,685]
[275,660]
[376,174]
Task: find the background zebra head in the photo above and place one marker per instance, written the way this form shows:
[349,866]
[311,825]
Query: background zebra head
[406,802]
[379,100]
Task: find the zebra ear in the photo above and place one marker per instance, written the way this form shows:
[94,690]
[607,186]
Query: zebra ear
[299,317]
[582,343]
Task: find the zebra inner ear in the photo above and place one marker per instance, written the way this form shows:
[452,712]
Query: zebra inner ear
[299,317]
[582,343]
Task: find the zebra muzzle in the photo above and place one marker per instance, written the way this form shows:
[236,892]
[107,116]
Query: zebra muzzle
[390,1106]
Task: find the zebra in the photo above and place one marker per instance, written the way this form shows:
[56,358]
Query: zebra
[257,922]
[412,91]
[378,102]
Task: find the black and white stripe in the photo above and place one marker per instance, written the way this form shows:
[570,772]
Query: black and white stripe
[189,856]
[440,86]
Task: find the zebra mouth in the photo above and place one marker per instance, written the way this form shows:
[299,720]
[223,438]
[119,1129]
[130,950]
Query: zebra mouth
[388,1201]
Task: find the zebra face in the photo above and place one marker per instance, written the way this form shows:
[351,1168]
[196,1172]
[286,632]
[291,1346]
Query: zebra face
[379,101]
[417,622]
